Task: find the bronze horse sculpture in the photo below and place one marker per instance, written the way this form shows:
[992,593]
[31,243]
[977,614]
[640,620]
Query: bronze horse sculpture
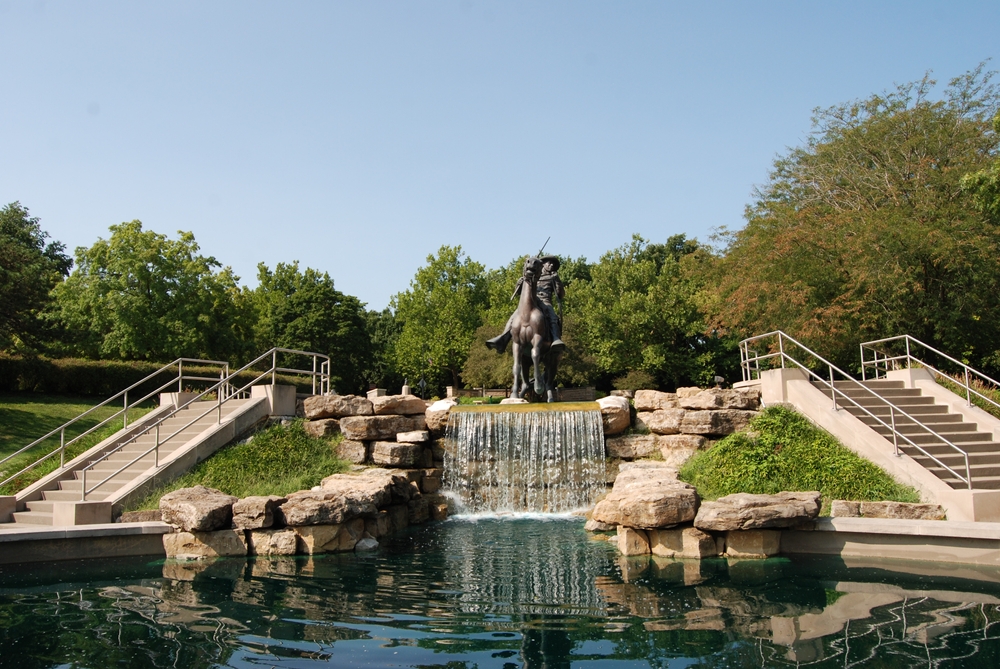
[532,339]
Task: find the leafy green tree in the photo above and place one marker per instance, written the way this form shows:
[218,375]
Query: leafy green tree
[984,186]
[140,295]
[865,231]
[640,313]
[304,311]
[383,331]
[29,269]
[439,315]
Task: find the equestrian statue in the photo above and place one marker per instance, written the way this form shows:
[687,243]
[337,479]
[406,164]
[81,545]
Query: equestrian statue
[534,328]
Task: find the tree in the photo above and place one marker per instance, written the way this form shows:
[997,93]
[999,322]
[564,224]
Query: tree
[383,331]
[29,269]
[639,313]
[140,295]
[303,311]
[865,232]
[439,315]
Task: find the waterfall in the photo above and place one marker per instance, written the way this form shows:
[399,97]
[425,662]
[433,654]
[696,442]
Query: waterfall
[528,457]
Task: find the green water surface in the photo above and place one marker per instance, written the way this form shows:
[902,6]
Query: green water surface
[498,593]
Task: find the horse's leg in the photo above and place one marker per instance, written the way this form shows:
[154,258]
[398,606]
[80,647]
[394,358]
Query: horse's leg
[536,360]
[517,370]
[551,365]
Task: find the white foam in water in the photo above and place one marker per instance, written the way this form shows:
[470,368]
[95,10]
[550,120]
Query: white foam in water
[501,463]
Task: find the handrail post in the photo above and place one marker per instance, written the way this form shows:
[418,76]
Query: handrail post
[968,472]
[781,350]
[909,359]
[895,435]
[156,447]
[833,389]
[218,400]
[968,389]
[125,411]
[83,486]
[863,378]
[274,366]
[62,447]
[180,376]
[314,375]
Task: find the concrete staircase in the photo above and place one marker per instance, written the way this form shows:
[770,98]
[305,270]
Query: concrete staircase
[930,426]
[129,470]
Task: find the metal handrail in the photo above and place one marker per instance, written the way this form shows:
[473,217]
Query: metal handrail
[910,359]
[126,405]
[224,391]
[750,364]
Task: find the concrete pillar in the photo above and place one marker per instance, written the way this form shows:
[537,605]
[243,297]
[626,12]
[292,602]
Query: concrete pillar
[176,399]
[773,383]
[65,514]
[281,398]
[8,505]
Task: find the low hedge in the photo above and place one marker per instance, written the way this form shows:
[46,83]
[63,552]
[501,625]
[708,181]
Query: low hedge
[77,376]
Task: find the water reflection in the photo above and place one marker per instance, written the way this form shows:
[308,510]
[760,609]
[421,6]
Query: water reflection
[502,594]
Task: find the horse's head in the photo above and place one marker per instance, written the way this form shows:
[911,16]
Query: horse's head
[532,269]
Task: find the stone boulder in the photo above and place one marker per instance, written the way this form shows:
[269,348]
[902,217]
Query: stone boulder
[255,513]
[314,539]
[272,542]
[353,451]
[661,421]
[380,428]
[197,545]
[631,541]
[676,449]
[323,507]
[717,423]
[893,510]
[415,437]
[197,509]
[688,542]
[405,405]
[324,427]
[375,487]
[722,398]
[336,406]
[615,414]
[647,495]
[395,454]
[148,516]
[437,415]
[753,543]
[653,400]
[744,511]
[632,446]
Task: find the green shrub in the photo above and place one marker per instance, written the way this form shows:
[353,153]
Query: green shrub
[634,380]
[275,461]
[784,451]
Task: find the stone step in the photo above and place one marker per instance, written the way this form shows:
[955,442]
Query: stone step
[77,485]
[881,410]
[910,427]
[32,518]
[903,403]
[891,393]
[927,438]
[982,483]
[977,447]
[880,384]
[931,419]
[40,506]
[953,459]
[73,495]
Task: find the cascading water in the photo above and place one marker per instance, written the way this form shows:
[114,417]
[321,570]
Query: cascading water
[535,458]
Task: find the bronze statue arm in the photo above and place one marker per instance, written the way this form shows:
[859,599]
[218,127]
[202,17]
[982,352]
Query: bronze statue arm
[517,289]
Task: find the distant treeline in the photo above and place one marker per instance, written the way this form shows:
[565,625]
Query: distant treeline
[884,222]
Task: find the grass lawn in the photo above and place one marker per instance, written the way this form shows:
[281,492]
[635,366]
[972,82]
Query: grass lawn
[25,417]
[784,451]
[275,461]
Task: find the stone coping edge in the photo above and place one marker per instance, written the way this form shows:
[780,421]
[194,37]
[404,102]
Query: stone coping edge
[955,529]
[15,535]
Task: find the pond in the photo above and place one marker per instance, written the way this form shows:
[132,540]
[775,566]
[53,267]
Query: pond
[498,593]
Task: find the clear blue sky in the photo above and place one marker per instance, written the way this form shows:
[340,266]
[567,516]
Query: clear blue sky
[358,137]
